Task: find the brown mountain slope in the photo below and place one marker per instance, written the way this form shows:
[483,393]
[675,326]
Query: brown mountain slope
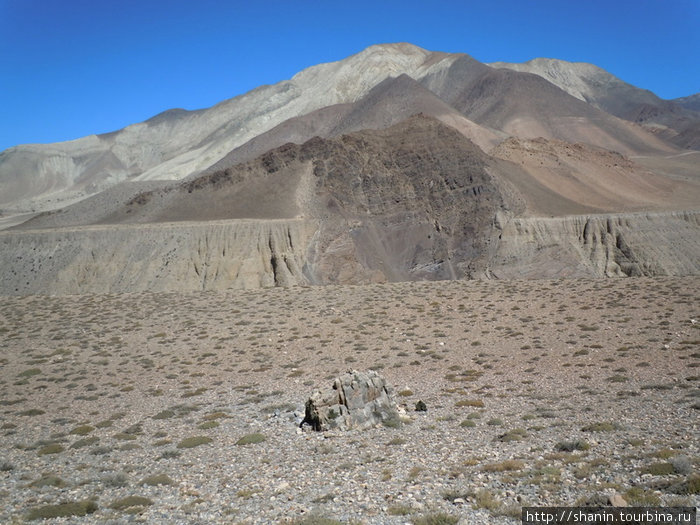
[528,106]
[674,120]
[590,179]
[390,102]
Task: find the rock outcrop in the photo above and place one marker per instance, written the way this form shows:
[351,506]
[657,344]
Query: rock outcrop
[357,400]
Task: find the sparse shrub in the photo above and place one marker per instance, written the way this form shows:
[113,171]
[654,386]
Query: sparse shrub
[637,496]
[601,427]
[48,480]
[215,415]
[467,423]
[317,520]
[32,412]
[414,472]
[30,372]
[82,430]
[194,441]
[85,442]
[157,479]
[658,469]
[681,465]
[664,453]
[118,479]
[436,519]
[251,439]
[62,510]
[502,466]
[170,454]
[130,502]
[516,434]
[53,448]
[470,403]
[484,499]
[571,446]
[164,414]
[398,510]
[124,436]
[692,485]
[392,422]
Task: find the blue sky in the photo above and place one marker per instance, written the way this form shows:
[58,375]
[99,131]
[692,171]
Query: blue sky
[69,68]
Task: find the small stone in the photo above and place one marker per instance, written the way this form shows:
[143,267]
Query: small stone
[616,500]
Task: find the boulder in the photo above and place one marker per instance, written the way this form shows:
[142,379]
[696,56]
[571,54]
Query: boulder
[356,400]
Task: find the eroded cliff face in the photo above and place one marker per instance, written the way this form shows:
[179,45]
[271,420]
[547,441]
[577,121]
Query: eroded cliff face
[634,244]
[155,257]
[244,254]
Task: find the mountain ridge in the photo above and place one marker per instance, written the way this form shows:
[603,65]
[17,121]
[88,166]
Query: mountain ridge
[178,143]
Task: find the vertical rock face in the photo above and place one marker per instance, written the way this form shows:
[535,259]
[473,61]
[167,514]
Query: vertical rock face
[357,400]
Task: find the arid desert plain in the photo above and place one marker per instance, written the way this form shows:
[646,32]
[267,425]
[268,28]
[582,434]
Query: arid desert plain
[185,407]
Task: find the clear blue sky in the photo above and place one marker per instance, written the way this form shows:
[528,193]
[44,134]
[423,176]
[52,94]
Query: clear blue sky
[69,68]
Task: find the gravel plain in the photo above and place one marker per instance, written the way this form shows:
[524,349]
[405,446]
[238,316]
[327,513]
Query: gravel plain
[184,407]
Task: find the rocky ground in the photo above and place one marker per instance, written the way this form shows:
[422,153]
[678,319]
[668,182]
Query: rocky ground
[184,407]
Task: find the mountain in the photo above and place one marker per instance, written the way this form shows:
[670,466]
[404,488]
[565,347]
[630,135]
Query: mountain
[180,143]
[691,102]
[394,164]
[525,104]
[677,120]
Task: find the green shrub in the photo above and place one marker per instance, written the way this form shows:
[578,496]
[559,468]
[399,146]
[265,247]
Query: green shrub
[658,469]
[436,519]
[85,442]
[194,441]
[157,479]
[637,496]
[571,446]
[73,508]
[484,499]
[53,448]
[251,439]
[398,510]
[129,502]
[517,434]
[82,430]
[48,480]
